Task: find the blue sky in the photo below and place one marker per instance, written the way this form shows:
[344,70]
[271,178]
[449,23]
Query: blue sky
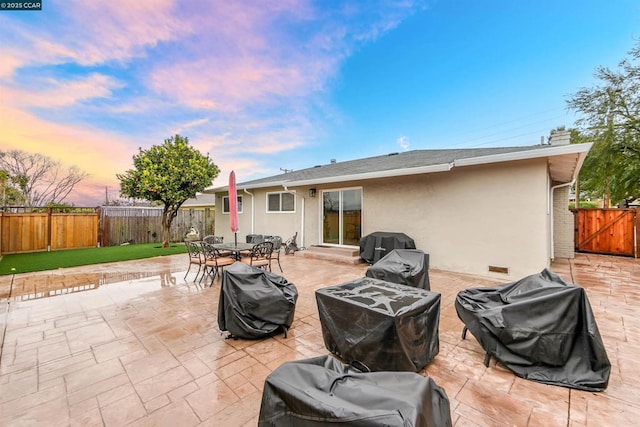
[290,84]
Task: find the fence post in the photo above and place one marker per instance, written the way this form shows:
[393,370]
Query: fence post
[636,236]
[49,226]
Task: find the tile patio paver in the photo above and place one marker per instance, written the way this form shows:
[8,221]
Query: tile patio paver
[135,344]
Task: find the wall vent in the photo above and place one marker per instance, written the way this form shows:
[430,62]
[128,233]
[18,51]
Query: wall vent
[496,269]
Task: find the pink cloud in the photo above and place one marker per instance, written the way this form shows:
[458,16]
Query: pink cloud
[100,153]
[62,93]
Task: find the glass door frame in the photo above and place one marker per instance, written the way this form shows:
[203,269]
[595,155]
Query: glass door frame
[340,215]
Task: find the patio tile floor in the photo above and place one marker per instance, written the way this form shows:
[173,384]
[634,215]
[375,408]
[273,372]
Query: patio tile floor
[135,344]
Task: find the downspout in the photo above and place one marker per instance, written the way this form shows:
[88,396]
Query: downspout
[550,212]
[252,211]
[302,213]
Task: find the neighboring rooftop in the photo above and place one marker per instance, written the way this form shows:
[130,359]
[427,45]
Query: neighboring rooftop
[201,200]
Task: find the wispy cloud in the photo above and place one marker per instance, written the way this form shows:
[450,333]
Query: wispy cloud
[245,80]
[403,142]
[50,93]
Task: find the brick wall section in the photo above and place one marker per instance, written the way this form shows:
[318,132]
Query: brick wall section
[563,231]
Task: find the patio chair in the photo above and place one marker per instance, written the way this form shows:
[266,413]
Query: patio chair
[260,255]
[277,246]
[215,261]
[214,240]
[196,256]
[290,245]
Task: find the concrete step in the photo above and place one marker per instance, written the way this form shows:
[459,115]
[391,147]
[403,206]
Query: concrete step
[335,254]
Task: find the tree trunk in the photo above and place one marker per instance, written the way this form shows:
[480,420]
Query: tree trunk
[166,232]
[168,215]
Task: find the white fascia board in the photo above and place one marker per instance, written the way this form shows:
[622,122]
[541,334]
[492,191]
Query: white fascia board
[372,175]
[245,187]
[525,155]
[580,161]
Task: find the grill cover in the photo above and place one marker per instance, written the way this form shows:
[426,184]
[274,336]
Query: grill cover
[380,325]
[376,245]
[323,391]
[540,327]
[255,303]
[404,266]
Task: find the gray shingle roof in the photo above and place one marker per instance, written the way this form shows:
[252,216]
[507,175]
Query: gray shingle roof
[404,161]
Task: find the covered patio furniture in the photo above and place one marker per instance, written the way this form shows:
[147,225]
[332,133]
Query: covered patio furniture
[379,325]
[541,328]
[404,266]
[255,303]
[376,245]
[259,255]
[255,238]
[324,391]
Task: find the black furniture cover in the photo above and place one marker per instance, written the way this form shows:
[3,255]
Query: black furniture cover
[380,326]
[376,245]
[404,266]
[541,327]
[323,391]
[255,303]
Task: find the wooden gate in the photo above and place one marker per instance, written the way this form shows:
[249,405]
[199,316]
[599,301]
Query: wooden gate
[606,231]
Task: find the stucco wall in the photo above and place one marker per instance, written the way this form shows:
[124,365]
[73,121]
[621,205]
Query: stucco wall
[254,218]
[467,219]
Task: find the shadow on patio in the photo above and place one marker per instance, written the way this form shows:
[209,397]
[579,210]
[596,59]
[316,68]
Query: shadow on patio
[135,344]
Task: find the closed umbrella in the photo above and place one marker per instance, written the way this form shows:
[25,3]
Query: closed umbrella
[233,206]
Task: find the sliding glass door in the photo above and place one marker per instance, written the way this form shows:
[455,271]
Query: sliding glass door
[342,216]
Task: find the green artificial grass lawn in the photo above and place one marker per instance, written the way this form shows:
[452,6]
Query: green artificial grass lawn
[39,261]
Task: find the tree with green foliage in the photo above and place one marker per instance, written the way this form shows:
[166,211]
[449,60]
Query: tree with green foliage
[169,174]
[610,117]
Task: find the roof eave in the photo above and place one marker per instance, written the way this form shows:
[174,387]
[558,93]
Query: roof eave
[248,186]
[525,155]
[444,167]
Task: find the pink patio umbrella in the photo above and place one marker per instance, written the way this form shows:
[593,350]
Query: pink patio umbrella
[233,206]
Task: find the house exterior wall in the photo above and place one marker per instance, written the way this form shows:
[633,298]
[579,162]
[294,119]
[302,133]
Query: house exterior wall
[466,219]
[563,230]
[255,219]
[469,218]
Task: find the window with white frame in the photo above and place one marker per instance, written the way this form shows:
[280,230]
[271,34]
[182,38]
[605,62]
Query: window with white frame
[225,204]
[281,202]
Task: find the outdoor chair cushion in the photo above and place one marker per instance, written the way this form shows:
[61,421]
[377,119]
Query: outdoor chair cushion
[540,327]
[323,391]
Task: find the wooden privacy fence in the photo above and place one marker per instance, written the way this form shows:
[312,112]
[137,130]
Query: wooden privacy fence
[47,230]
[144,224]
[607,231]
[51,229]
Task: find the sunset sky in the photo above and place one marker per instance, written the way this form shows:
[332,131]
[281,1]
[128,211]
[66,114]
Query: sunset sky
[267,85]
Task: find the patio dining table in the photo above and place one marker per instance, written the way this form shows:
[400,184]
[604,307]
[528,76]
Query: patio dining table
[235,248]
